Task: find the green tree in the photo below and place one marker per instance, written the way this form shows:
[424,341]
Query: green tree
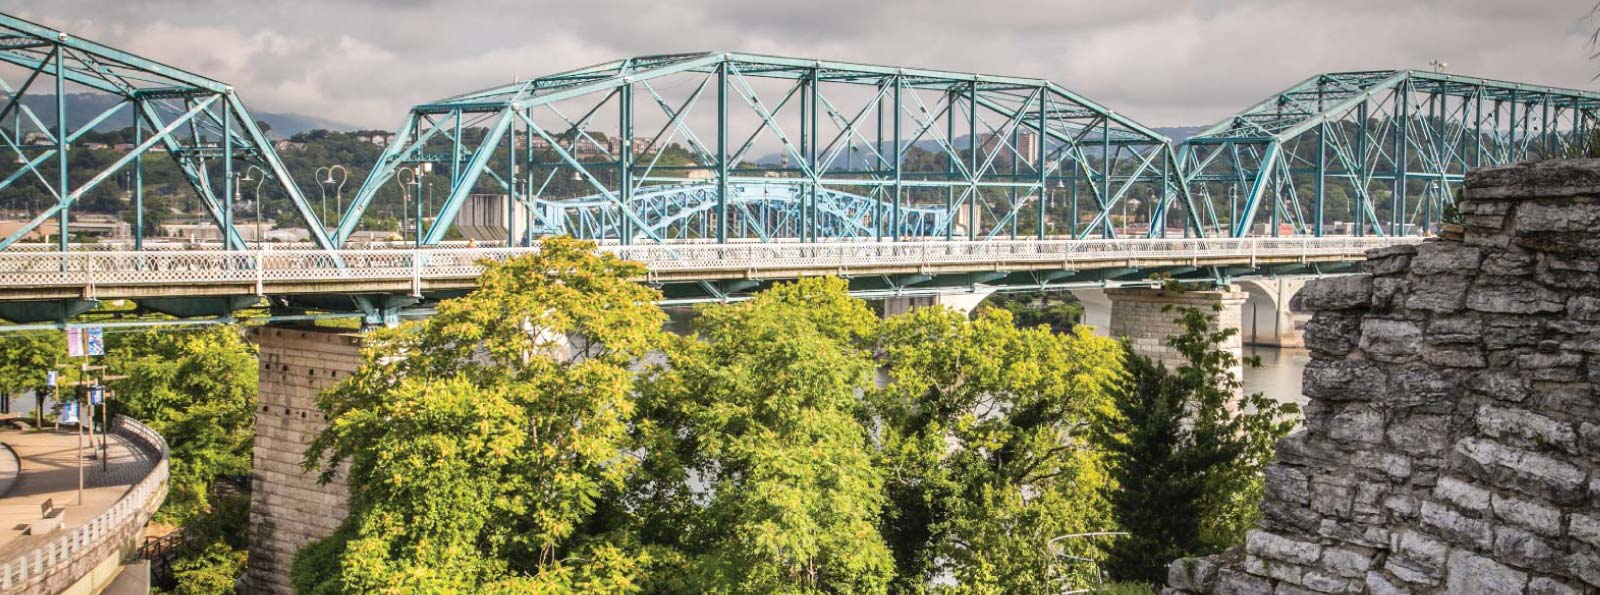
[1189,451]
[481,441]
[26,359]
[986,442]
[761,476]
[198,390]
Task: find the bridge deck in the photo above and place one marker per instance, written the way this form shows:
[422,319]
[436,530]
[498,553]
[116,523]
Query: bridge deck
[27,276]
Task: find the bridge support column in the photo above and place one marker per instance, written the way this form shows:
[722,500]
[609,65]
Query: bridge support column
[1140,315]
[1267,318]
[288,508]
[1096,309]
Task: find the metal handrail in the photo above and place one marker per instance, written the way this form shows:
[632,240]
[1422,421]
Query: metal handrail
[135,506]
[257,267]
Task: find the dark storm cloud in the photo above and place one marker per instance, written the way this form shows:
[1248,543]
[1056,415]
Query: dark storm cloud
[1165,62]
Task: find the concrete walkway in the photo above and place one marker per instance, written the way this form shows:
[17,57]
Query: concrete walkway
[50,472]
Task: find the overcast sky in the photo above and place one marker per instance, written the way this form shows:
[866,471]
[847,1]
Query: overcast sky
[1163,62]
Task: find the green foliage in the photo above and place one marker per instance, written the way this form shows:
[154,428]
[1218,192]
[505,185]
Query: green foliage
[984,439]
[760,475]
[480,440]
[213,572]
[213,553]
[1033,309]
[198,390]
[1189,452]
[1124,589]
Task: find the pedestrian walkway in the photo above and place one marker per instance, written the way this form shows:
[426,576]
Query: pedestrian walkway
[49,471]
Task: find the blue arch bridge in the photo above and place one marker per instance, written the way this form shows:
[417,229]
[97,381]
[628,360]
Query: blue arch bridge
[725,172]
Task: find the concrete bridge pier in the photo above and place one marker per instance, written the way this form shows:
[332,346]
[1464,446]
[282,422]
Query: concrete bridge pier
[288,507]
[1267,318]
[1143,317]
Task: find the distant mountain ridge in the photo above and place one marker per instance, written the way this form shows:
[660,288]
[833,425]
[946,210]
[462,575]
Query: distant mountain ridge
[1178,134]
[83,107]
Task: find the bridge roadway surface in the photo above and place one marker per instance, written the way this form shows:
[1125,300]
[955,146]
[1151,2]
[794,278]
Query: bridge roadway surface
[101,275]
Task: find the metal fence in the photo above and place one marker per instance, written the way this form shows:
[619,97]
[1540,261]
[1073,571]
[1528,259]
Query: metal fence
[259,267]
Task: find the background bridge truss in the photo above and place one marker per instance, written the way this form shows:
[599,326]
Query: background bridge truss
[1381,152]
[681,146]
[200,123]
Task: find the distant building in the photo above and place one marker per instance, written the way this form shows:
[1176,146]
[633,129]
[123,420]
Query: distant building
[288,145]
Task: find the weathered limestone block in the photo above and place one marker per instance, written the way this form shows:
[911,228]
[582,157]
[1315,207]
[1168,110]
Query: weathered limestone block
[1452,441]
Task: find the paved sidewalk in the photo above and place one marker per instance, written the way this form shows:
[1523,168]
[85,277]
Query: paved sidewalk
[50,471]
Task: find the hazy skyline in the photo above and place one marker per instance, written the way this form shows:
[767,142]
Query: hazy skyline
[1162,62]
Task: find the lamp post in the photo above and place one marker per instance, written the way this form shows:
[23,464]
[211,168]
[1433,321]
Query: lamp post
[415,179]
[338,193]
[256,206]
[323,189]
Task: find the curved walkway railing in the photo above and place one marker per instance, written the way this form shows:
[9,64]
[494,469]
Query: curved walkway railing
[57,564]
[182,267]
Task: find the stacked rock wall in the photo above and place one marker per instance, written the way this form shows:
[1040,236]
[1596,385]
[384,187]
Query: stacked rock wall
[1452,441]
[288,507]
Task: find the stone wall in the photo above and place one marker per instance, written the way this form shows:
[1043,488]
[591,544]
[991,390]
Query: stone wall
[288,508]
[1452,441]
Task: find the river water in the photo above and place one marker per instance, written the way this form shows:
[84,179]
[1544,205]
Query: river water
[1279,374]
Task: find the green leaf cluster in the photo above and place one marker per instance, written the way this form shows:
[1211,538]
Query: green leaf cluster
[1190,451]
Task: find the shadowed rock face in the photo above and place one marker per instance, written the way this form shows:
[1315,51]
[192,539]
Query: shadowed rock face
[1452,441]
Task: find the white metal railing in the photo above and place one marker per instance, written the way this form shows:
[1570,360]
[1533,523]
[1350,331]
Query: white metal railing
[260,267]
[135,506]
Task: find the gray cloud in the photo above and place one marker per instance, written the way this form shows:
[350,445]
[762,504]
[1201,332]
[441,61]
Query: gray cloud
[1164,62]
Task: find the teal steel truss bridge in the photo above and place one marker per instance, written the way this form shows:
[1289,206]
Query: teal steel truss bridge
[739,147]
[1380,152]
[198,122]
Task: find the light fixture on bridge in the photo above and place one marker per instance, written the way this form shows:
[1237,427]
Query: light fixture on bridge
[577,176]
[1439,66]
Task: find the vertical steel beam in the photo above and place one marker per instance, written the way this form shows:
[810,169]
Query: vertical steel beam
[811,133]
[950,163]
[1106,229]
[62,147]
[138,179]
[899,164]
[511,184]
[722,152]
[972,156]
[877,165]
[1402,97]
[1322,178]
[228,183]
[625,165]
[1038,163]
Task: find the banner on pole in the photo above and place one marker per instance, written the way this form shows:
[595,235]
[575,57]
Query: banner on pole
[97,394]
[74,342]
[95,341]
[69,413]
[50,378]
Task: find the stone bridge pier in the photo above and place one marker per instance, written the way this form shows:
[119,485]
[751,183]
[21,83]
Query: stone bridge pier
[1452,439]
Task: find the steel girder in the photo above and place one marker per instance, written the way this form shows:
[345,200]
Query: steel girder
[844,132]
[764,210]
[197,121]
[1373,140]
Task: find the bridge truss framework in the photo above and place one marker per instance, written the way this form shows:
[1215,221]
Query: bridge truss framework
[200,123]
[983,152]
[1395,143]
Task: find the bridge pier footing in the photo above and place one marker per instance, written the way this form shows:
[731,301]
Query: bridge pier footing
[288,507]
[1141,315]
